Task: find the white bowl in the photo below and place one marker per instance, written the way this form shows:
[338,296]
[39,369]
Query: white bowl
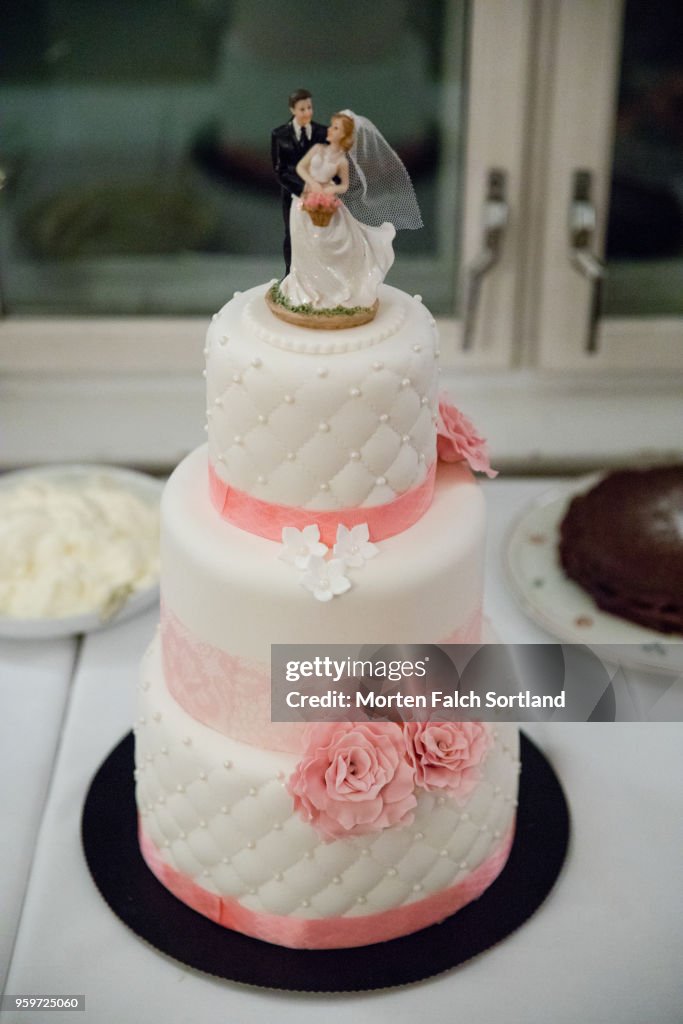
[145,487]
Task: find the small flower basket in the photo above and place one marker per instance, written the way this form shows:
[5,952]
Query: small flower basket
[320,207]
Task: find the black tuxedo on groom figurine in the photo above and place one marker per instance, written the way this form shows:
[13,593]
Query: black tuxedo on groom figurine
[286,151]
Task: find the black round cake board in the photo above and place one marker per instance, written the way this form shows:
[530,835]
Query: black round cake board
[109,834]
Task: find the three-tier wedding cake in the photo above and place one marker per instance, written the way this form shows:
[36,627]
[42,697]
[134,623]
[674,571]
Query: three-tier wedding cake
[335,503]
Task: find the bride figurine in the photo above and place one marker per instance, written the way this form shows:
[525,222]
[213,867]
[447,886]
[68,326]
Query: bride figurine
[342,247]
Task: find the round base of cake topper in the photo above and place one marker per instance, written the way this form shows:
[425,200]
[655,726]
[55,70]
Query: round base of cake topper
[110,842]
[322,319]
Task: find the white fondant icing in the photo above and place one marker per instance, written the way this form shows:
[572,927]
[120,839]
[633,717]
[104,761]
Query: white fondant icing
[230,589]
[234,830]
[259,320]
[368,385]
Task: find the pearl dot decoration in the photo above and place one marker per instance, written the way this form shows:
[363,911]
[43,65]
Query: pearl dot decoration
[354,392]
[384,417]
[322,371]
[256,362]
[237,377]
[354,456]
[323,427]
[378,365]
[289,399]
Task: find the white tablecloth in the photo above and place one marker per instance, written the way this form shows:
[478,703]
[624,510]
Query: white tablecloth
[606,946]
[34,686]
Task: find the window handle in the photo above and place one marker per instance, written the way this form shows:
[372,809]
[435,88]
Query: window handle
[582,229]
[495,218]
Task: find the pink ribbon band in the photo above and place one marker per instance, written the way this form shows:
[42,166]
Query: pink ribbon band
[330,932]
[267,519]
[231,694]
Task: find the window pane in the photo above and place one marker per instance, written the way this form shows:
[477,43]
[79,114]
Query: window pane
[645,232]
[136,141]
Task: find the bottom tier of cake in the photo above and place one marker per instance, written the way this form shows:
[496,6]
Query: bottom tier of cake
[219,829]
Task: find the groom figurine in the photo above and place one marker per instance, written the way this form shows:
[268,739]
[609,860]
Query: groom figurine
[288,144]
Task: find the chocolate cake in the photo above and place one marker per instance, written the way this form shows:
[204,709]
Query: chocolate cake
[623,542]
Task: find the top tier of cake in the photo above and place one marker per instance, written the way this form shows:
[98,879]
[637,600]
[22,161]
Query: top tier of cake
[319,419]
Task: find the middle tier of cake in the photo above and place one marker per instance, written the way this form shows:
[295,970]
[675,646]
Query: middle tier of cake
[227,596]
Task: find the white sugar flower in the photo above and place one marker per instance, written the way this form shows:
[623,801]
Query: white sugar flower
[324,579]
[353,546]
[301,545]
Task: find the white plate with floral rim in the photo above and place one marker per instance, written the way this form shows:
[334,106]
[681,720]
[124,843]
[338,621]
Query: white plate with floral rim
[126,602]
[562,607]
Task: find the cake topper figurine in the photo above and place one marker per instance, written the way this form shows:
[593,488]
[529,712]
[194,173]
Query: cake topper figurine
[356,194]
[288,144]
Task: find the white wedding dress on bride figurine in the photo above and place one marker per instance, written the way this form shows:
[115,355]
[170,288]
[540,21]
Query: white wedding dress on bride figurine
[341,264]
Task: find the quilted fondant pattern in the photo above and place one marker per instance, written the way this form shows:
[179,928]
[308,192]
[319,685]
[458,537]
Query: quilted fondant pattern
[218,811]
[322,431]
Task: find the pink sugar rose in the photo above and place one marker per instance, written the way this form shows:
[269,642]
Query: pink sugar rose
[447,755]
[457,440]
[353,778]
